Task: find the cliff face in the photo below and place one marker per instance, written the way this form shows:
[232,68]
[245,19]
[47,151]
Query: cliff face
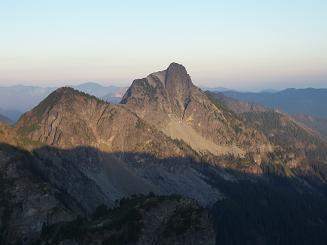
[164,92]
[169,101]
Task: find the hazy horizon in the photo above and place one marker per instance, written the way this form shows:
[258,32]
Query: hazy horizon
[244,45]
[125,84]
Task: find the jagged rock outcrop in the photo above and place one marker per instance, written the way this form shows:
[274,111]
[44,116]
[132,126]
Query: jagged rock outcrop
[167,92]
[169,101]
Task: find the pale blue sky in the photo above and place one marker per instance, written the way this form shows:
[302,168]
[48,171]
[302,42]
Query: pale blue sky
[233,43]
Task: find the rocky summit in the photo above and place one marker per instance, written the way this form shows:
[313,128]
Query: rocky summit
[170,164]
[169,101]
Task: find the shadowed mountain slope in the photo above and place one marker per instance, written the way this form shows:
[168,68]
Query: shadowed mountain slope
[48,186]
[60,191]
[178,221]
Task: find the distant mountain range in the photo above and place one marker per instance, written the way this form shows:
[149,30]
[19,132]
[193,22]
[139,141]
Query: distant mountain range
[307,101]
[293,101]
[215,89]
[5,119]
[316,125]
[15,100]
[223,89]
[101,91]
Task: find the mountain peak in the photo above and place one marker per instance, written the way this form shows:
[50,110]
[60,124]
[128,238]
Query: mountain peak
[167,91]
[69,92]
[62,93]
[176,66]
[177,78]
[64,90]
[62,98]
